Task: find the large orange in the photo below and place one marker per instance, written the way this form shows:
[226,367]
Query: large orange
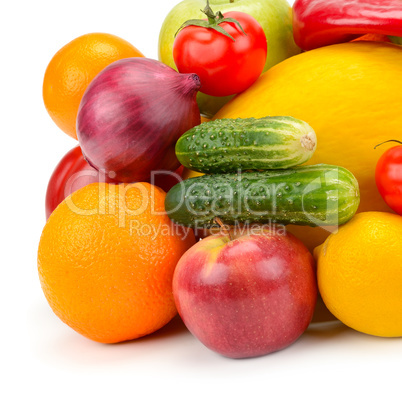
[73,67]
[106,260]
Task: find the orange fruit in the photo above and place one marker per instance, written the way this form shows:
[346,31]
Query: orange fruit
[73,67]
[106,259]
[359,271]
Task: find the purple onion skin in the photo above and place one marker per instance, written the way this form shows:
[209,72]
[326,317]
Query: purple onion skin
[131,116]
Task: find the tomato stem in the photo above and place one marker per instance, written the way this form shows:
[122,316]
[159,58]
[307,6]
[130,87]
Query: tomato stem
[214,19]
[209,13]
[399,142]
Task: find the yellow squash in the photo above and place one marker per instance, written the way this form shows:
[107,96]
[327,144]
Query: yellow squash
[351,94]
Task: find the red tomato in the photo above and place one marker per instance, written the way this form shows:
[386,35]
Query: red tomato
[388,177]
[74,172]
[225,67]
[71,173]
[166,179]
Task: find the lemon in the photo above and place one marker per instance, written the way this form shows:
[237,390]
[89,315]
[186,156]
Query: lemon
[359,272]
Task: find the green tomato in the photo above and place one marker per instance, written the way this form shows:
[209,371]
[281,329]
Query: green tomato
[275,16]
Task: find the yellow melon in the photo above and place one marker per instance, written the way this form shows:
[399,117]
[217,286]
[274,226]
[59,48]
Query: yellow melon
[351,94]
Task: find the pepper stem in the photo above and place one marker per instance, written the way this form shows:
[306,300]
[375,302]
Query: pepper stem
[399,142]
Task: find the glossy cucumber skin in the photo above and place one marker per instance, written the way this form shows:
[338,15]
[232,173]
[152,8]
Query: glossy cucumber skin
[316,195]
[227,145]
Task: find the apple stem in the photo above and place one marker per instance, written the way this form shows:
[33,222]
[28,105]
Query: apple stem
[224,228]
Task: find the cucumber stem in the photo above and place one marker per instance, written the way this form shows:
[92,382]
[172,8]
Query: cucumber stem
[308,141]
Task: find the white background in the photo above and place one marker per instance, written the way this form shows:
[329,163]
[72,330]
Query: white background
[44,359]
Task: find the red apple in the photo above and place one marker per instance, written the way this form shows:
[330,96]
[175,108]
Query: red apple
[246,294]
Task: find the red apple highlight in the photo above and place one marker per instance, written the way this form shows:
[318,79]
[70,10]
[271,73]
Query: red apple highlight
[246,294]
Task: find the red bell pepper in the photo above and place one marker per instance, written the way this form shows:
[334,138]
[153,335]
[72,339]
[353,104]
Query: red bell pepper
[319,23]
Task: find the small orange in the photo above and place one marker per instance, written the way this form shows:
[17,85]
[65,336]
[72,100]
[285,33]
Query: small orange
[73,67]
[106,259]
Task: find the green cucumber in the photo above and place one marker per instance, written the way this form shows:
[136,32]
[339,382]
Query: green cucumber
[229,145]
[316,195]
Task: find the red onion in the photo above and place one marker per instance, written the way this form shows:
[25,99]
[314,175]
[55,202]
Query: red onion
[131,116]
